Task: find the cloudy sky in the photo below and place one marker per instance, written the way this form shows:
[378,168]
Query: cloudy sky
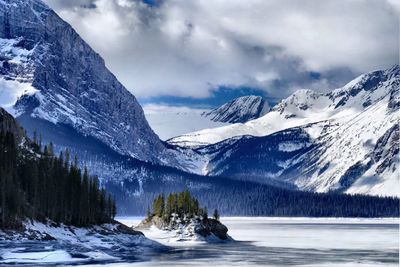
[199,52]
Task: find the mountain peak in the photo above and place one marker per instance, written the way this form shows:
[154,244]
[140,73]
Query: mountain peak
[366,88]
[302,99]
[70,81]
[241,109]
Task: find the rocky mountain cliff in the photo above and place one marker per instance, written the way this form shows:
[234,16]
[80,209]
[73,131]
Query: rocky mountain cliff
[68,83]
[241,109]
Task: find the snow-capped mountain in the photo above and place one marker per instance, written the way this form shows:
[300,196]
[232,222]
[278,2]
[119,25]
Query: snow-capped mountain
[349,144]
[301,108]
[241,109]
[171,121]
[48,72]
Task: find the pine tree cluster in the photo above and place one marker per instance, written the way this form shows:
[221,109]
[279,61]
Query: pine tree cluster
[36,184]
[180,205]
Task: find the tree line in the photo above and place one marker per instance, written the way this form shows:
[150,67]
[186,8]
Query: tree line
[36,184]
[238,198]
[179,205]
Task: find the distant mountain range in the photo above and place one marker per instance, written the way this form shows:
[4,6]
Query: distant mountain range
[55,84]
[346,140]
[303,107]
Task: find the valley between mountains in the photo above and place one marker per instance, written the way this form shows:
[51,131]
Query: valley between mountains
[92,175]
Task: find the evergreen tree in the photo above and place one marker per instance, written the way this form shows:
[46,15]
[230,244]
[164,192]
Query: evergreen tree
[216,215]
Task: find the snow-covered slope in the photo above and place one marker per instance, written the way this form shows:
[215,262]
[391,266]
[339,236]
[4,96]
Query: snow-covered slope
[53,244]
[169,121]
[241,109]
[355,149]
[359,155]
[303,107]
[50,73]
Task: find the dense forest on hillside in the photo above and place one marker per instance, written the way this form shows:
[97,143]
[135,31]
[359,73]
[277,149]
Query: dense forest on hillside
[36,184]
[238,198]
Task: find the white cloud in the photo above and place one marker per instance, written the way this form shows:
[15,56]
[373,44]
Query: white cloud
[186,48]
[168,109]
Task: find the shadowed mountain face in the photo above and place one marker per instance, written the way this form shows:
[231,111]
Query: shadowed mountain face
[70,83]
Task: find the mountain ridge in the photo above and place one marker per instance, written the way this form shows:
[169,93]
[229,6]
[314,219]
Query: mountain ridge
[302,107]
[239,110]
[351,151]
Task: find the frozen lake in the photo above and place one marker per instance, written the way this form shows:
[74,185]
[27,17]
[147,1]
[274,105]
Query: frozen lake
[288,242]
[259,242]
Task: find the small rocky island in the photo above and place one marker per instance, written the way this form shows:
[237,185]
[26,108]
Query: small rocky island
[181,214]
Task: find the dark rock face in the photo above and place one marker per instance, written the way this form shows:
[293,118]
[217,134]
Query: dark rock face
[394,100]
[8,124]
[241,109]
[212,226]
[123,229]
[75,87]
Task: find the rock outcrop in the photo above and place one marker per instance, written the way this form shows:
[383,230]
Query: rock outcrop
[189,229]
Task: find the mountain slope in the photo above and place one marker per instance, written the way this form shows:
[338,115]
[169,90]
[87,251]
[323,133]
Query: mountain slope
[303,107]
[241,109]
[54,75]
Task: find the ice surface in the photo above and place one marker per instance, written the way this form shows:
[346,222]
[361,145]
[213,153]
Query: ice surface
[266,241]
[37,257]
